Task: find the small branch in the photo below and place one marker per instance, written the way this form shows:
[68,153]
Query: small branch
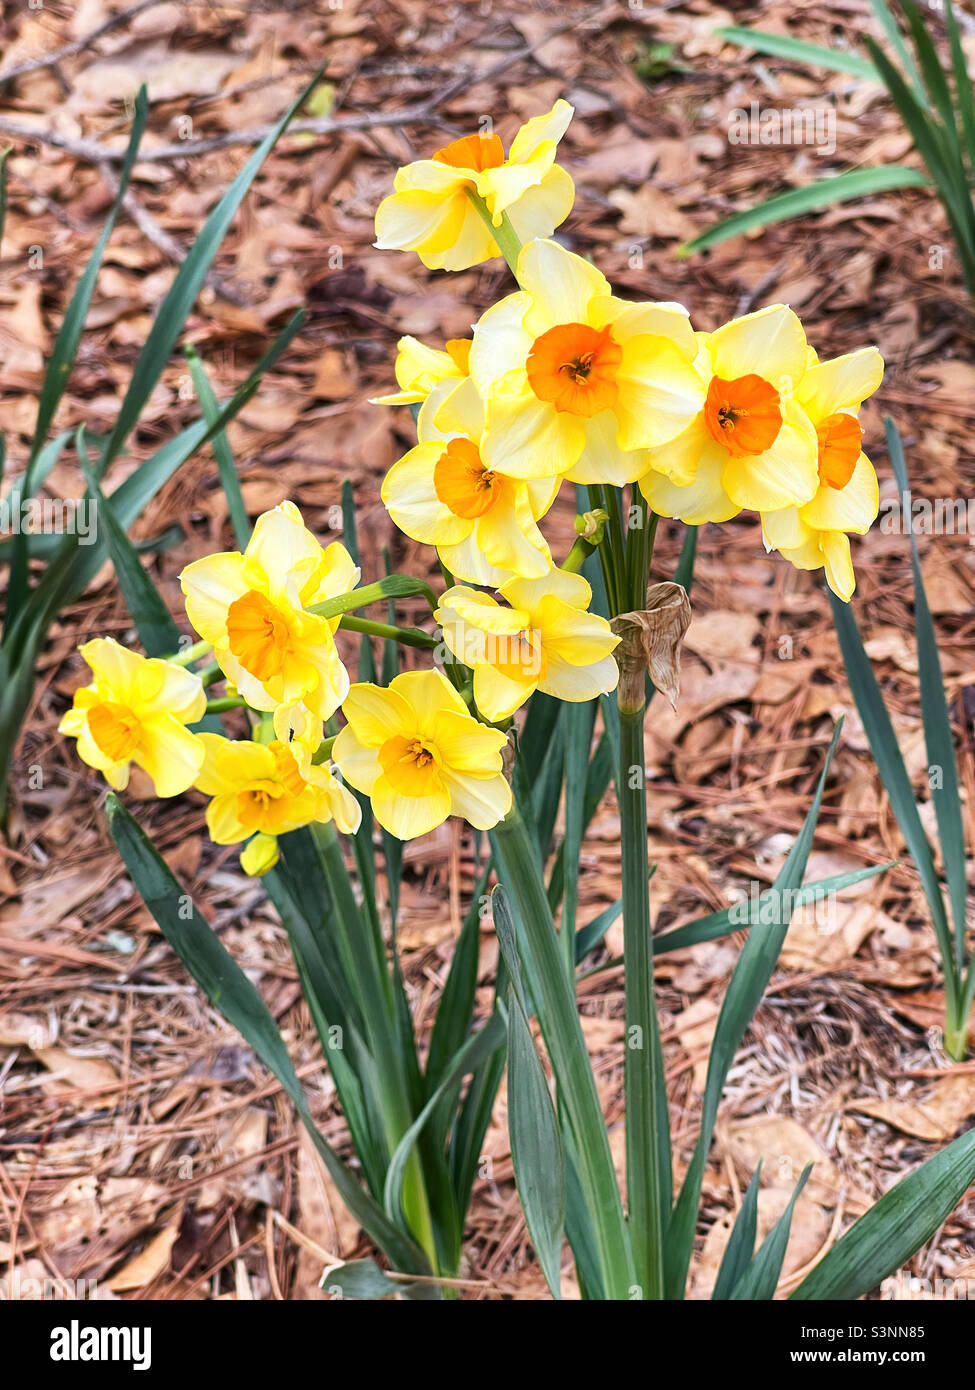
[78,45]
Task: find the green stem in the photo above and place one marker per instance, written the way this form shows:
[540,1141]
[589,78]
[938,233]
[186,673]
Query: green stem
[504,235]
[191,654]
[408,636]
[225,702]
[645,1105]
[393,586]
[324,750]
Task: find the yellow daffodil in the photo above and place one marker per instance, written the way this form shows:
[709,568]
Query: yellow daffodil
[541,638]
[420,756]
[420,368]
[441,493]
[751,444]
[431,213]
[847,499]
[577,382]
[258,789]
[252,608]
[136,711]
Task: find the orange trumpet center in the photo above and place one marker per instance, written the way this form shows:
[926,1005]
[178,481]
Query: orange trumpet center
[289,774]
[518,655]
[115,730]
[744,415]
[459,351]
[258,635]
[574,367]
[462,482]
[840,437]
[411,765]
[256,808]
[478,152]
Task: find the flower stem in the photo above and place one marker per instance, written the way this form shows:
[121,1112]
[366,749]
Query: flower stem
[408,636]
[504,234]
[646,1102]
[191,654]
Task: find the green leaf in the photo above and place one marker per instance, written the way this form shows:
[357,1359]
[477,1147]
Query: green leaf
[539,952]
[741,1243]
[890,764]
[175,308]
[759,1280]
[963,85]
[838,188]
[889,24]
[226,467]
[63,358]
[737,917]
[938,739]
[894,1228]
[748,983]
[536,1147]
[4,156]
[226,985]
[798,51]
[157,630]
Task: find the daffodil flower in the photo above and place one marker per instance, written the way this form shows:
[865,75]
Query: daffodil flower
[252,608]
[417,752]
[420,368]
[259,789]
[577,382]
[751,444]
[136,711]
[541,637]
[847,499]
[441,493]
[431,213]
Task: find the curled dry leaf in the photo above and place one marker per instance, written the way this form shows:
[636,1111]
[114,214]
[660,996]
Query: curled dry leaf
[650,641]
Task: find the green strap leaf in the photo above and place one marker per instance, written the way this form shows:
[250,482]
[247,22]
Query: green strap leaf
[536,1147]
[63,357]
[175,308]
[741,1243]
[226,467]
[748,983]
[938,739]
[223,981]
[157,630]
[890,764]
[759,1280]
[838,188]
[798,51]
[894,1228]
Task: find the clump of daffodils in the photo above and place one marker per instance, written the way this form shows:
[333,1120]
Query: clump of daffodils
[562,381]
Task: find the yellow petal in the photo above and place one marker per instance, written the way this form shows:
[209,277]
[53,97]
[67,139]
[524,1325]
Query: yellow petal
[376,714]
[170,754]
[701,501]
[603,460]
[569,681]
[501,342]
[482,802]
[561,285]
[209,587]
[541,209]
[528,438]
[842,383]
[410,497]
[498,695]
[851,508]
[420,220]
[838,564]
[358,764]
[406,817]
[660,393]
[769,343]
[784,476]
[550,126]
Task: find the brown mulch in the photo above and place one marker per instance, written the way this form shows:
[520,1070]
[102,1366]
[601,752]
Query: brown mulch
[140,1141]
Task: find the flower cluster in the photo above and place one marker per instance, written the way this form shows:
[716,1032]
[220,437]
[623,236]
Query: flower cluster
[563,380]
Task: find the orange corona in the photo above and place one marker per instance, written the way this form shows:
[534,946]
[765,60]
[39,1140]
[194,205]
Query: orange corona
[840,438]
[574,366]
[745,415]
